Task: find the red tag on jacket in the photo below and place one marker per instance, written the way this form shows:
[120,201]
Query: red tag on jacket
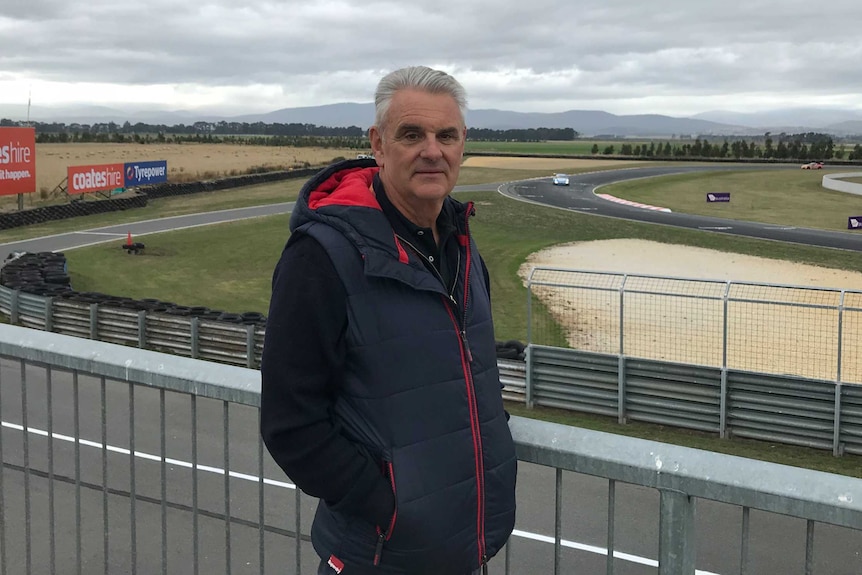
[335,563]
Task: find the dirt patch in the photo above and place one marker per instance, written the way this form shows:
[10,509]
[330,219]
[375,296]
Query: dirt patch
[771,328]
[540,163]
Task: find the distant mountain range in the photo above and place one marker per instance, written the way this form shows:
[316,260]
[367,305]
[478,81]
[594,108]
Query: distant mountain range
[586,122]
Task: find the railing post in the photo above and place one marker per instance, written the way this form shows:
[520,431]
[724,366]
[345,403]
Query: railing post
[837,448]
[839,353]
[676,548]
[836,430]
[14,307]
[94,321]
[722,411]
[195,334]
[249,345]
[530,308]
[621,362]
[49,314]
[528,376]
[142,329]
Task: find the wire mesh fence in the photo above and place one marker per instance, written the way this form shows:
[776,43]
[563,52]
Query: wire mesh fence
[776,329]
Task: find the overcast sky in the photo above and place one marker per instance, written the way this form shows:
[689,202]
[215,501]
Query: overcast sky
[675,57]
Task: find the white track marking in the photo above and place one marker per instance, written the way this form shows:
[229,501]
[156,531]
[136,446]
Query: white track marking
[255,479]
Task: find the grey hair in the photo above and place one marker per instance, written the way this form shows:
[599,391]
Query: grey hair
[418,78]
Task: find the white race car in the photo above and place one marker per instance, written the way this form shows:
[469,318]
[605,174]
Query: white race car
[561,180]
[812,166]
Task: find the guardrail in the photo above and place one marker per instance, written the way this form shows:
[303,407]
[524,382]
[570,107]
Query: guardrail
[771,362]
[189,336]
[116,459]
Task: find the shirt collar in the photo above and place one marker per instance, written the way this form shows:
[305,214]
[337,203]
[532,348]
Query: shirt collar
[404,227]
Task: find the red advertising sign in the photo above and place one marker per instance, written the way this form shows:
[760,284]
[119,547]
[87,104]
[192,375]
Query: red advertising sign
[83,179]
[17,161]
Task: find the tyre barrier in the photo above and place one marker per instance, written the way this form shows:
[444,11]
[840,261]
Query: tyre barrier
[46,274]
[178,189]
[73,209]
[142,194]
[48,302]
[511,349]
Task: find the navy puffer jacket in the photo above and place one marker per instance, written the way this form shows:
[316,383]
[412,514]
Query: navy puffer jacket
[421,391]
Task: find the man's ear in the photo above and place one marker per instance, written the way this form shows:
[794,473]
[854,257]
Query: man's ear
[375,136]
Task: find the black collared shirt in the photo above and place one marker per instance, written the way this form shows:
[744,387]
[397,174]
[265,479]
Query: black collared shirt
[442,257]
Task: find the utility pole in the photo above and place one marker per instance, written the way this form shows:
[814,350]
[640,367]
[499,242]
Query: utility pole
[29,97]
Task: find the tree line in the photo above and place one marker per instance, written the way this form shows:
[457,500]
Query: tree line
[808,146]
[805,146]
[254,133]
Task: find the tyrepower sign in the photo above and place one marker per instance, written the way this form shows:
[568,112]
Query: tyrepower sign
[17,161]
[146,173]
[83,179]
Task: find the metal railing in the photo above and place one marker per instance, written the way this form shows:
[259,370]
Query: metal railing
[117,459]
[189,336]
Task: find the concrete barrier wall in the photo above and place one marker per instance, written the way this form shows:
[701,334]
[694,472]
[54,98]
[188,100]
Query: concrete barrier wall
[833,182]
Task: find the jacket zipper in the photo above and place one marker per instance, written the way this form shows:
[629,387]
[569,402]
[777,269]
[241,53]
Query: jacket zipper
[384,536]
[474,410]
[466,362]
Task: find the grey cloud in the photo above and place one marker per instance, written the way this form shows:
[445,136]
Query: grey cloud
[335,49]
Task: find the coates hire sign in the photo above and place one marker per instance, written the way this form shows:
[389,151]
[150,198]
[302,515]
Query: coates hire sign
[17,161]
[83,179]
[146,173]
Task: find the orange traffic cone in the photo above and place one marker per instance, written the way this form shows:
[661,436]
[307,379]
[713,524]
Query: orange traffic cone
[129,239]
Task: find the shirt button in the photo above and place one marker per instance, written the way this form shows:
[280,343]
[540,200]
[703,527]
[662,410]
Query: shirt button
[431,259]
[420,233]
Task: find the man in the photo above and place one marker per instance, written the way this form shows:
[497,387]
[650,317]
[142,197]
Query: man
[380,389]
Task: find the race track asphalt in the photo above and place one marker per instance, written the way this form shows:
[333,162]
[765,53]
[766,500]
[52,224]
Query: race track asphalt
[581,196]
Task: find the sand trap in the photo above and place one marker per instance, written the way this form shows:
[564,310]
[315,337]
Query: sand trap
[683,321]
[654,258]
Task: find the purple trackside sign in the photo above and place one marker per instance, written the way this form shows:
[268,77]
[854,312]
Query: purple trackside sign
[718,197]
[854,223]
[143,173]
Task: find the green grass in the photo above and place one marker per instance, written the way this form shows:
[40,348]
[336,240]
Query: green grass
[263,194]
[228,267]
[782,197]
[507,231]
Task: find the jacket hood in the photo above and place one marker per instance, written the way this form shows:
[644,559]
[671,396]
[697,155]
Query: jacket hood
[347,182]
[342,196]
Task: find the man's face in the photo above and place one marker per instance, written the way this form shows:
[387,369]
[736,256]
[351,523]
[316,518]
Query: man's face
[420,146]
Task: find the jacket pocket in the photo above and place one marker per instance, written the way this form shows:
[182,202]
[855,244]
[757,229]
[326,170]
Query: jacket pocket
[384,533]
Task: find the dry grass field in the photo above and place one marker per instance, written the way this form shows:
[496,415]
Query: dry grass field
[186,162]
[192,162]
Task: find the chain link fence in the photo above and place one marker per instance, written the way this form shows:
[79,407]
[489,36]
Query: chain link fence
[800,331]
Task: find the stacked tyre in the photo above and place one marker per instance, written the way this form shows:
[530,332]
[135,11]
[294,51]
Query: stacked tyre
[42,273]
